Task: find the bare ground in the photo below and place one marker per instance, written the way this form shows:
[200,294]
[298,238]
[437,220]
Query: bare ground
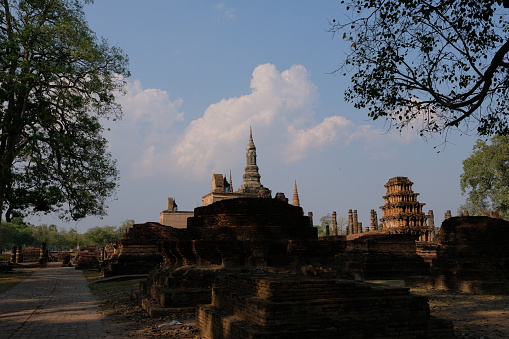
[473,316]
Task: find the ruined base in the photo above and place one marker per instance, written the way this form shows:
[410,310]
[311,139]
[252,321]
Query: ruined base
[281,306]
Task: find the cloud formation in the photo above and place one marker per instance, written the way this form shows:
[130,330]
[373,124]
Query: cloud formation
[149,117]
[279,108]
[228,13]
[277,99]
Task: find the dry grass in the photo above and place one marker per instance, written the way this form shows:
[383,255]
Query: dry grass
[473,315]
[125,316]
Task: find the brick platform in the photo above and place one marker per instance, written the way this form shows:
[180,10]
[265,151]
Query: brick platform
[281,306]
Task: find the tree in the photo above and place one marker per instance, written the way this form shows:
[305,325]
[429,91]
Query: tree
[57,80]
[429,64]
[101,236]
[486,177]
[327,220]
[126,225]
[324,221]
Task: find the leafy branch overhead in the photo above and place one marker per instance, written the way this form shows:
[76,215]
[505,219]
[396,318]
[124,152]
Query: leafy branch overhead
[434,64]
[57,80]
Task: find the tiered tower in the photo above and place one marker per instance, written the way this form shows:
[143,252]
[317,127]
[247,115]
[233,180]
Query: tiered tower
[402,212]
[251,178]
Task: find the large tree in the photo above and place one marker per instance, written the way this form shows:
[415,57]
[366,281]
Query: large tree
[485,177]
[430,64]
[57,81]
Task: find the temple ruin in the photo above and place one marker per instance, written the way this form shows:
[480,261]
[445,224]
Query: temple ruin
[257,269]
[402,212]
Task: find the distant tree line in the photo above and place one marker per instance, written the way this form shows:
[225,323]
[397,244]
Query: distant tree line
[326,220]
[19,233]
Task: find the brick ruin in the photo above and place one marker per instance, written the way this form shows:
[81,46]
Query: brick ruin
[260,268]
[139,250]
[472,257]
[262,272]
[87,258]
[39,255]
[402,212]
[264,305]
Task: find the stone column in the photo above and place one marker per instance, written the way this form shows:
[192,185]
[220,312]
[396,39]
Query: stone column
[14,254]
[310,215]
[431,225]
[349,227]
[359,227]
[374,221]
[327,230]
[447,214]
[355,222]
[19,255]
[42,254]
[334,223]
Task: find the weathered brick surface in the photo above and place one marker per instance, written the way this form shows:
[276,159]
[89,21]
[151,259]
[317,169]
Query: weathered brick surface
[250,219]
[376,255]
[427,250]
[87,258]
[139,251]
[278,306]
[472,256]
[31,254]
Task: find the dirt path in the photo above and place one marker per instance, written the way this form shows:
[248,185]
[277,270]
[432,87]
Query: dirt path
[54,302]
[473,316]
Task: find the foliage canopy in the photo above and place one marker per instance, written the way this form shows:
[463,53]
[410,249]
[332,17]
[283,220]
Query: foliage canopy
[57,80]
[485,177]
[429,64]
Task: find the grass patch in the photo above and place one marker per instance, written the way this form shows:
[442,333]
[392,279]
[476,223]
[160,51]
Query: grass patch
[10,279]
[113,297]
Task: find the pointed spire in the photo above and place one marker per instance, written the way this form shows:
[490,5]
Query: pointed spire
[295,198]
[231,182]
[250,144]
[251,178]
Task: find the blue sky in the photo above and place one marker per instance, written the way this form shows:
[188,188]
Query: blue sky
[203,72]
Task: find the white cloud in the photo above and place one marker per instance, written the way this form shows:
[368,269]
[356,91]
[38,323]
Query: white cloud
[277,99]
[152,106]
[149,116]
[302,141]
[279,108]
[228,13]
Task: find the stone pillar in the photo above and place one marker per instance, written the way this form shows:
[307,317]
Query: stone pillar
[42,254]
[359,227]
[19,255]
[334,223]
[374,221]
[431,225]
[355,222]
[465,213]
[447,214]
[431,219]
[327,230]
[14,254]
[349,227]
[310,215]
